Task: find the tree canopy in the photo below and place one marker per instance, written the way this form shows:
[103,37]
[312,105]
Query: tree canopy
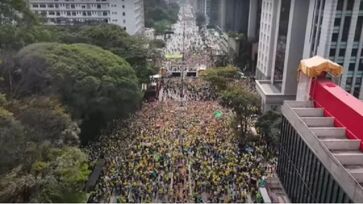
[93,83]
[160,15]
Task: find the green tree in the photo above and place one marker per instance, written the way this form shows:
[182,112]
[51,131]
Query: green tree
[93,83]
[46,120]
[157,43]
[244,104]
[61,176]
[109,37]
[12,137]
[15,12]
[269,125]
[160,15]
[220,76]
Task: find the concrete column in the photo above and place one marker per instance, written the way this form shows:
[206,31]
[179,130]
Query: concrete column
[294,45]
[252,20]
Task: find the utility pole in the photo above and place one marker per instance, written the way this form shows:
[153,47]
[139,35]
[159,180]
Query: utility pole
[183,60]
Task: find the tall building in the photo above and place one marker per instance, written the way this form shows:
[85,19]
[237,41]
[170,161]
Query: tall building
[129,14]
[281,44]
[237,16]
[321,150]
[228,15]
[335,32]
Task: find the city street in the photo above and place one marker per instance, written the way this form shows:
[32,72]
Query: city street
[181,149]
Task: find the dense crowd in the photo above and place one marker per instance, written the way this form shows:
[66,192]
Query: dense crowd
[193,90]
[170,154]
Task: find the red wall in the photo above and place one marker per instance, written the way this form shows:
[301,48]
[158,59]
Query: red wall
[345,108]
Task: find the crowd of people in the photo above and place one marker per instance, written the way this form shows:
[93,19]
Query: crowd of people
[193,90]
[199,45]
[180,148]
[165,153]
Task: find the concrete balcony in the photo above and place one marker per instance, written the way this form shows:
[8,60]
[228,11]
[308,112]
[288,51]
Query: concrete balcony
[341,155]
[272,97]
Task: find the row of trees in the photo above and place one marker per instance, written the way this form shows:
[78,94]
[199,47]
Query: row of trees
[244,102]
[59,86]
[160,15]
[234,95]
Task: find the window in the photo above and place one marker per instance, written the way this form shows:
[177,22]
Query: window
[332,52]
[358,81]
[354,52]
[346,27]
[42,5]
[35,5]
[73,6]
[358,29]
[334,37]
[349,81]
[104,13]
[337,21]
[356,92]
[350,5]
[123,13]
[340,5]
[341,52]
[98,6]
[351,67]
[123,6]
[360,67]
[361,5]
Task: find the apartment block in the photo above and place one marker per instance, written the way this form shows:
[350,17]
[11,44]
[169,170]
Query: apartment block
[128,14]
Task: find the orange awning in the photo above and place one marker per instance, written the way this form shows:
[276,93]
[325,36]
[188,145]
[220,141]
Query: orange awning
[313,67]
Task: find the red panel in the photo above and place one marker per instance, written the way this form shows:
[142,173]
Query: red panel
[345,108]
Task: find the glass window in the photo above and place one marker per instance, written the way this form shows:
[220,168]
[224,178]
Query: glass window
[350,5]
[358,81]
[361,5]
[341,52]
[349,81]
[334,37]
[346,27]
[358,29]
[337,21]
[332,52]
[360,67]
[340,5]
[356,92]
[351,66]
[354,52]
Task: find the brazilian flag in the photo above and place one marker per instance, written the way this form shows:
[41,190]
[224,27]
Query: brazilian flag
[218,114]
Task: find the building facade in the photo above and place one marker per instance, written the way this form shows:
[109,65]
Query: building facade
[128,14]
[281,45]
[335,32]
[321,143]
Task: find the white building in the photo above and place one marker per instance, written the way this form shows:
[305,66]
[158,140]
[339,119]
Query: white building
[335,32]
[129,14]
[280,49]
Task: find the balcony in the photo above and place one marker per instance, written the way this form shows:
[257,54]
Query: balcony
[271,94]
